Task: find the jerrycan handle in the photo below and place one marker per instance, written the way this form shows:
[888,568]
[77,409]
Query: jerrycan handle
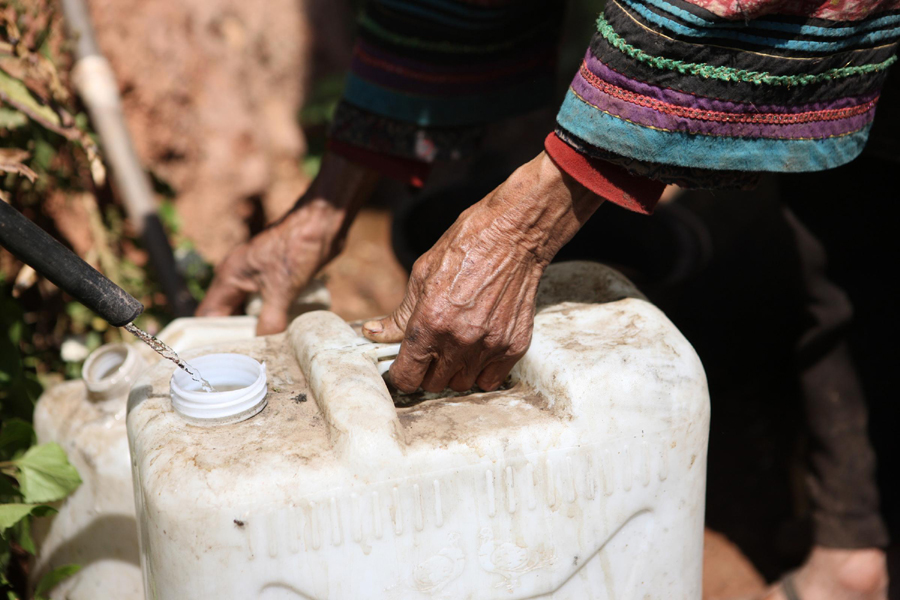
[348,389]
[384,356]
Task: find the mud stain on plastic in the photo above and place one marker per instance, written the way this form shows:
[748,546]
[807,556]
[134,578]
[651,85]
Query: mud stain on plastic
[463,419]
[262,436]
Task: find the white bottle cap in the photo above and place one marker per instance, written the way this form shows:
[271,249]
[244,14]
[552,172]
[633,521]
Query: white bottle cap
[242,379]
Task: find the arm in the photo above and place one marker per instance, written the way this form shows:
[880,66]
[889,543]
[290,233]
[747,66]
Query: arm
[704,93]
[423,83]
[670,93]
[469,308]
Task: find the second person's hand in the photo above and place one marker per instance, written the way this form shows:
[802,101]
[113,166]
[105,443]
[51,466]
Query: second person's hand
[281,260]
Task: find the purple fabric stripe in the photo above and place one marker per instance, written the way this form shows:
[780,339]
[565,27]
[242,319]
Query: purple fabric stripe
[690,100]
[402,83]
[653,118]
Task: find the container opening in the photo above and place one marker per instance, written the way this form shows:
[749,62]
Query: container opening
[404,400]
[110,371]
[384,356]
[241,388]
[105,363]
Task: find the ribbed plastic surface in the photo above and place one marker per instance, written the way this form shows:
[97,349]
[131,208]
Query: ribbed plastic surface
[584,480]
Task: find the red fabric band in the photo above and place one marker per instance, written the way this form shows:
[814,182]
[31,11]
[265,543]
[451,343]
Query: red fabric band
[408,171]
[605,179]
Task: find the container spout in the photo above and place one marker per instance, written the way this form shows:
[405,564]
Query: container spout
[36,248]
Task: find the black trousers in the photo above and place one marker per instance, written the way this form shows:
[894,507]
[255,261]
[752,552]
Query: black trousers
[841,461]
[747,283]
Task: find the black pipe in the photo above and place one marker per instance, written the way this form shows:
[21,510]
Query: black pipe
[34,246]
[156,242]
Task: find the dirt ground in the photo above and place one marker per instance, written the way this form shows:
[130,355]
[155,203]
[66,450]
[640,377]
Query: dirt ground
[366,280]
[211,92]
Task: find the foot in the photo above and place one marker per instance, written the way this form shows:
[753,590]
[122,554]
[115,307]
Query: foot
[834,574]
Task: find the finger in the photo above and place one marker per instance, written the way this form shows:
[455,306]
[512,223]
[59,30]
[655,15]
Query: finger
[442,369]
[273,316]
[464,379]
[391,329]
[412,362]
[222,299]
[494,374]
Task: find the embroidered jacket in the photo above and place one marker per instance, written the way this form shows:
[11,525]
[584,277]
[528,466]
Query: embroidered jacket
[703,93]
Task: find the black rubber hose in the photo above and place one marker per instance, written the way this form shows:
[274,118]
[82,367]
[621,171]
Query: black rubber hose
[34,246]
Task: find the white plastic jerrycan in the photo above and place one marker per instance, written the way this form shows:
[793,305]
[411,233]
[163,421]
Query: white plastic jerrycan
[96,526]
[583,480]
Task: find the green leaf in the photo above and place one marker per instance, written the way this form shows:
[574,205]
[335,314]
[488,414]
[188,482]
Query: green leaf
[21,532]
[15,331]
[16,435]
[169,217]
[10,514]
[43,155]
[52,579]
[12,119]
[82,122]
[311,165]
[322,102]
[16,91]
[45,474]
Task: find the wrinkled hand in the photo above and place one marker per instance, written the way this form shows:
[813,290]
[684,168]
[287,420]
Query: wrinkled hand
[468,313]
[280,261]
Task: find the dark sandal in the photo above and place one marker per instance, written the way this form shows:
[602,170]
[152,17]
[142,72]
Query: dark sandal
[787,584]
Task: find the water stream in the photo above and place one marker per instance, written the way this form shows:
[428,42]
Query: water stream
[169,354]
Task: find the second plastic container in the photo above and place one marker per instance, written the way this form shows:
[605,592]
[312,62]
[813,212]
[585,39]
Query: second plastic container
[96,526]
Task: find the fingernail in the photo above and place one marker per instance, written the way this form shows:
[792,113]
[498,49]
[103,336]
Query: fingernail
[373,327]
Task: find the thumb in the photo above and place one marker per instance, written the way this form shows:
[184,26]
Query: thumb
[392,328]
[273,316]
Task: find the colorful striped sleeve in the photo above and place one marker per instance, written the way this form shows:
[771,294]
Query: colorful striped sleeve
[427,75]
[710,93]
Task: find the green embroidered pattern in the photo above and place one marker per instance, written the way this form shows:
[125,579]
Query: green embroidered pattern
[728,73]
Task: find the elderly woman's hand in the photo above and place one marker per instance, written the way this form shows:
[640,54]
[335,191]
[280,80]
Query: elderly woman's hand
[469,307]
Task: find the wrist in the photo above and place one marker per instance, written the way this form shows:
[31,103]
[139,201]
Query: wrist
[325,212]
[541,207]
[316,219]
[342,182]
